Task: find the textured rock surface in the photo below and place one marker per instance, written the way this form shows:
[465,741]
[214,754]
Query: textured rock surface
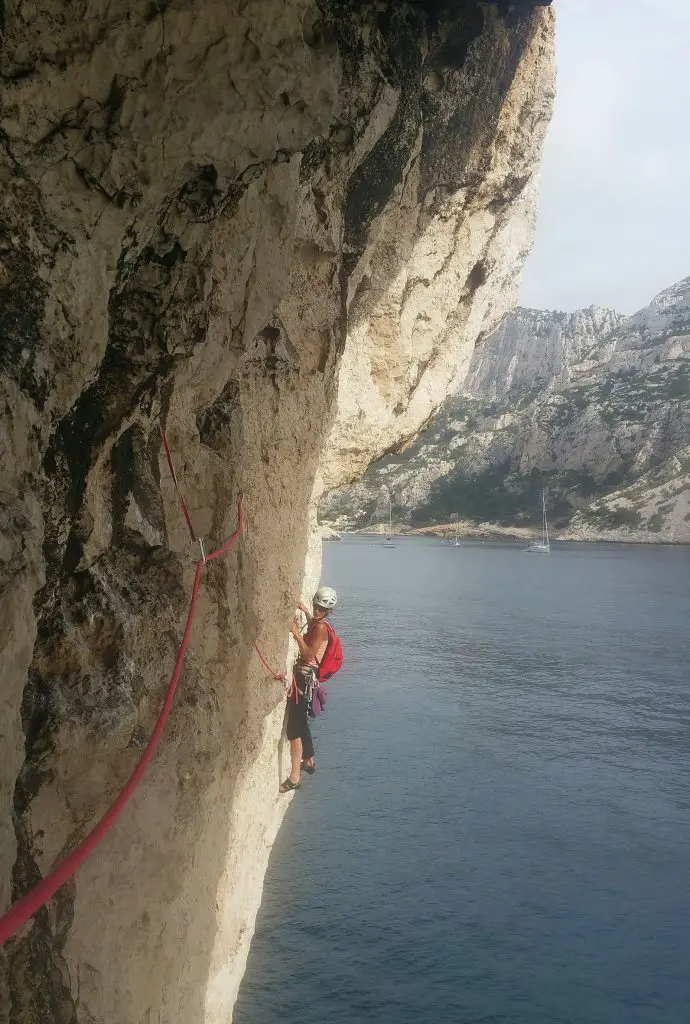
[531,345]
[441,262]
[207,210]
[591,404]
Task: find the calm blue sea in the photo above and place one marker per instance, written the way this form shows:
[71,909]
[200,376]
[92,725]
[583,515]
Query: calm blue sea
[499,828]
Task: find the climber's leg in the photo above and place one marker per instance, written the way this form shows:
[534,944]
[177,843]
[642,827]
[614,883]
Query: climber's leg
[307,746]
[295,759]
[297,725]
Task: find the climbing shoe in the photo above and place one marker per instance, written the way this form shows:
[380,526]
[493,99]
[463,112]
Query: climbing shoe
[288,785]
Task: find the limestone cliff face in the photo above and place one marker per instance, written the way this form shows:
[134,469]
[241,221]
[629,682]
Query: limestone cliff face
[534,344]
[440,261]
[593,406]
[250,221]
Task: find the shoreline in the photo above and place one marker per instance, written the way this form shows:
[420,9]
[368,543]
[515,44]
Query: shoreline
[490,531]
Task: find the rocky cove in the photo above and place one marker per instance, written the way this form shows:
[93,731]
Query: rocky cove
[276,229]
[593,407]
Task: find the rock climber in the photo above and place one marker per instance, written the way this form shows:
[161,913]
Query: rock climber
[312,647]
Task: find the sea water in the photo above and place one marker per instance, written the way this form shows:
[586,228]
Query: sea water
[499,826]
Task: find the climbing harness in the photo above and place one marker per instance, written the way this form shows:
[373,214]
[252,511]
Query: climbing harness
[21,911]
[309,681]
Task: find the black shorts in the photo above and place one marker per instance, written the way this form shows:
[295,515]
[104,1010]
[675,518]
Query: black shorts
[297,721]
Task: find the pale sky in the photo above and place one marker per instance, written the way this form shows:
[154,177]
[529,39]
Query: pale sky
[614,217]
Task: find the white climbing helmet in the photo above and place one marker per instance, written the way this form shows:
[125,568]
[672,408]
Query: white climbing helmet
[326,597]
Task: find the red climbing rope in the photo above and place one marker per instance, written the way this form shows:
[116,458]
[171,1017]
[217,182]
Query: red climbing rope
[267,666]
[20,912]
[276,675]
[173,474]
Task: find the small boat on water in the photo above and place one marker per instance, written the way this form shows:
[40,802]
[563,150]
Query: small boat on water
[542,547]
[456,542]
[388,543]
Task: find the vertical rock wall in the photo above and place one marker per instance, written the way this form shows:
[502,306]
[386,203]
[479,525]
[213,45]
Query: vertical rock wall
[436,262]
[207,212]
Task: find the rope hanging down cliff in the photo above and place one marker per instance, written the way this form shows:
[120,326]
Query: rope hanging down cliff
[21,911]
[281,677]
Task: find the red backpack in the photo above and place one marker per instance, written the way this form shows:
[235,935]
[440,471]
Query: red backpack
[332,659]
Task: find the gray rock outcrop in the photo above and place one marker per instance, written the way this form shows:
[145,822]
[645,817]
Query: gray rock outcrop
[533,345]
[277,227]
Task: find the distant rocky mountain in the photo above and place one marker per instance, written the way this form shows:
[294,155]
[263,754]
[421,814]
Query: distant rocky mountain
[533,345]
[592,405]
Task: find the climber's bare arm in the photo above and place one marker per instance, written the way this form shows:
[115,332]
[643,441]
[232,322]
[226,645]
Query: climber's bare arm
[319,635]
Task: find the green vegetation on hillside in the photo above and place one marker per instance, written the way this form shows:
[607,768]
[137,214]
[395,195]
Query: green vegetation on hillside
[614,416]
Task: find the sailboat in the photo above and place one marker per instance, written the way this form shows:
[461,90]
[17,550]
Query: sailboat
[542,547]
[388,543]
[456,543]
